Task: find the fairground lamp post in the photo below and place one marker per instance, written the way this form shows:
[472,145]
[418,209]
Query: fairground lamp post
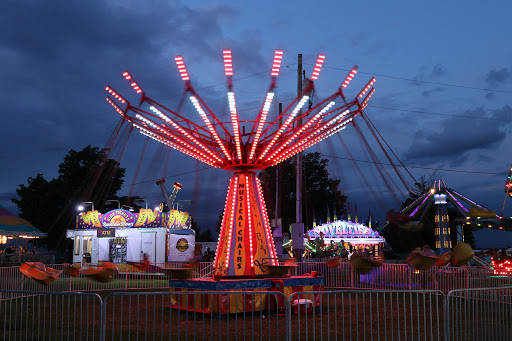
[82,205]
[138,201]
[114,201]
[245,243]
[185,201]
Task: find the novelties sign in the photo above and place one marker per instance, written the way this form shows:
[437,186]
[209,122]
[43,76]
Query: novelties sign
[118,219]
[342,229]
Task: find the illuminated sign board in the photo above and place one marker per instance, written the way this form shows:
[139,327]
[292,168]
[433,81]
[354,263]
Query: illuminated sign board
[342,229]
[118,219]
[103,233]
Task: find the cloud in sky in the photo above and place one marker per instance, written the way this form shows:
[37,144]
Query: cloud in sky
[497,77]
[456,137]
[428,73]
[438,71]
[58,56]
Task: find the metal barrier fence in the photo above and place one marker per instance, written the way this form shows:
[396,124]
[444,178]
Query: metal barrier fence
[124,279]
[387,277]
[367,315]
[470,314]
[479,314]
[403,277]
[38,315]
[148,316]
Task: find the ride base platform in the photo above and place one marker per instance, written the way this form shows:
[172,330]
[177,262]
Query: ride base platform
[205,299]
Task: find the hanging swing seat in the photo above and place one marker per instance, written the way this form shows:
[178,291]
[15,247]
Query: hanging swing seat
[39,272]
[102,273]
[363,264]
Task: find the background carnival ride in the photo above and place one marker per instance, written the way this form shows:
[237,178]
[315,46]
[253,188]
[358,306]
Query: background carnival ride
[440,198]
[245,243]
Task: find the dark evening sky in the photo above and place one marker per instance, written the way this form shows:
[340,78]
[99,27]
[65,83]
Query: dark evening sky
[443,98]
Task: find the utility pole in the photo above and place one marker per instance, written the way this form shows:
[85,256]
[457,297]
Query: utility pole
[278,231]
[298,227]
[298,206]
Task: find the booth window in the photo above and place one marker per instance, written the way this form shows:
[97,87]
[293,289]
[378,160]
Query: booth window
[87,241]
[77,245]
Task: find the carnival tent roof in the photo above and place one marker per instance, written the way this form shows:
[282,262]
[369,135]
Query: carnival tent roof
[12,225]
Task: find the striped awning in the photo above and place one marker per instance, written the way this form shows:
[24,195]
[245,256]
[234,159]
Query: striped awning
[12,225]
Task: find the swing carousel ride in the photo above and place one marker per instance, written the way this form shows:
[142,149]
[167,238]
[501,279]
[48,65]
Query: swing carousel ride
[246,246]
[440,198]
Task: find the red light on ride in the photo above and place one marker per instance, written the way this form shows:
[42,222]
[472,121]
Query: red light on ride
[350,75]
[181,68]
[116,95]
[228,62]
[112,103]
[133,83]
[318,66]
[367,98]
[276,65]
[367,87]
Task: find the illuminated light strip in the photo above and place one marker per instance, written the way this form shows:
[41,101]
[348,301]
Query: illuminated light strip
[231,223]
[414,202]
[202,113]
[323,136]
[270,240]
[134,84]
[249,218]
[184,132]
[367,98]
[367,87]
[284,126]
[305,146]
[304,127]
[312,136]
[474,203]
[318,66]
[278,57]
[118,109]
[458,203]
[201,155]
[152,135]
[180,129]
[228,62]
[115,94]
[311,140]
[263,118]
[181,68]
[171,144]
[224,219]
[234,120]
[350,75]
[417,208]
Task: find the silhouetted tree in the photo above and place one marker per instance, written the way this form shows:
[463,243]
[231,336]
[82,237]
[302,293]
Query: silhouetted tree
[86,175]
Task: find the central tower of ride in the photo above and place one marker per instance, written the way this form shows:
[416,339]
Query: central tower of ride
[245,244]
